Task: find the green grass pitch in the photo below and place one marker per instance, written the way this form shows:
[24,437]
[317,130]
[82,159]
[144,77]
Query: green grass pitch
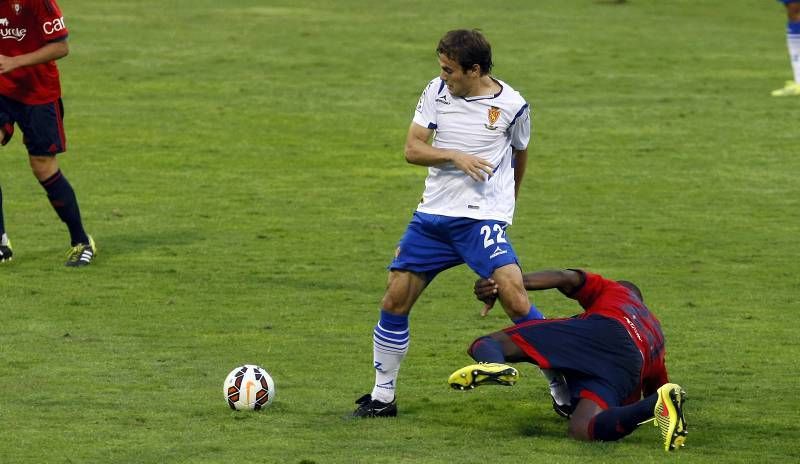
[240,166]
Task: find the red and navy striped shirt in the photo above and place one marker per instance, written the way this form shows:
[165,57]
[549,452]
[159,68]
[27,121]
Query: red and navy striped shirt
[26,26]
[603,297]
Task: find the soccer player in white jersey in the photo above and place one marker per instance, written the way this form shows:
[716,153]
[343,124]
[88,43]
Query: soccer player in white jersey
[472,132]
[792,87]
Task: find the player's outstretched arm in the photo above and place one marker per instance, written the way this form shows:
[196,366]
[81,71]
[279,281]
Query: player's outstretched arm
[566,281]
[418,151]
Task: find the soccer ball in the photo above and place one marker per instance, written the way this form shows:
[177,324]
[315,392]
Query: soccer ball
[248,387]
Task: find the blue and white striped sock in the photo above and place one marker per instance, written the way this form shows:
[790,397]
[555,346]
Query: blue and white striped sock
[390,345]
[793,41]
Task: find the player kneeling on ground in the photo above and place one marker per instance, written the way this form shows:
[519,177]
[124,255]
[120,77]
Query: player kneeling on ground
[612,356]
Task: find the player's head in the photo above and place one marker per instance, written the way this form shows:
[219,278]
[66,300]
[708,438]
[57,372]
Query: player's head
[632,287]
[468,48]
[464,56]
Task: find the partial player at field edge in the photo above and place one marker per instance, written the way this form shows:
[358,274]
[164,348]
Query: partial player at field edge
[792,88]
[30,97]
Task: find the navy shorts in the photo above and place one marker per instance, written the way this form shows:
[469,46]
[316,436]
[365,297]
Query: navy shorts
[42,126]
[433,243]
[595,354]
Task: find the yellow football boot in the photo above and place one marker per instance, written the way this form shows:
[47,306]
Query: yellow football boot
[791,89]
[669,415]
[479,374]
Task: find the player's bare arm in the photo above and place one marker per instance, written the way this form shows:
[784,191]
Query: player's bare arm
[51,51]
[565,280]
[520,163]
[419,151]
[568,281]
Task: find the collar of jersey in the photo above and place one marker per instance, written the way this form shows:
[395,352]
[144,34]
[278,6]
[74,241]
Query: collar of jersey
[486,97]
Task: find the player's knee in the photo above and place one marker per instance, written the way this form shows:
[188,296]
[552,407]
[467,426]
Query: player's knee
[578,430]
[395,303]
[389,303]
[475,344]
[793,12]
[572,432]
[43,166]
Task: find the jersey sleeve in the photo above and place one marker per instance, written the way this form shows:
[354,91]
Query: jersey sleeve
[50,20]
[425,114]
[590,291]
[521,129]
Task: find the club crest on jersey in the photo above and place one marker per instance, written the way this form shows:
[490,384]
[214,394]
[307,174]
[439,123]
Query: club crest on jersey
[494,115]
[17,7]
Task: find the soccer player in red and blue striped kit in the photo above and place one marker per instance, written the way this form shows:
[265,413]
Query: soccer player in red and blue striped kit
[32,36]
[612,356]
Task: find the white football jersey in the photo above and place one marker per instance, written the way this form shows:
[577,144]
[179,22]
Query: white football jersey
[486,126]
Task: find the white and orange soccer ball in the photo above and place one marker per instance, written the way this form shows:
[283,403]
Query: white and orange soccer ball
[249,387]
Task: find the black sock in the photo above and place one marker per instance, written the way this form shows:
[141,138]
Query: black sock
[62,197]
[2,224]
[614,423]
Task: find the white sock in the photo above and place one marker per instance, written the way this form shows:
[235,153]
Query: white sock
[793,42]
[390,344]
[4,240]
[558,386]
[387,365]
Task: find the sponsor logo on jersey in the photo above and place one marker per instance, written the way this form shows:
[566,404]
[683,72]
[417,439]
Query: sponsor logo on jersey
[56,25]
[6,32]
[494,115]
[633,327]
[443,100]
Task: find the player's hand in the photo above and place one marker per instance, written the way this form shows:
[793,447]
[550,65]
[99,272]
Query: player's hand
[487,307]
[474,166]
[486,291]
[7,64]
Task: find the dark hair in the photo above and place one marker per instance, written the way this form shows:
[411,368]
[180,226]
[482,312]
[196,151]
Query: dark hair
[632,287]
[467,48]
